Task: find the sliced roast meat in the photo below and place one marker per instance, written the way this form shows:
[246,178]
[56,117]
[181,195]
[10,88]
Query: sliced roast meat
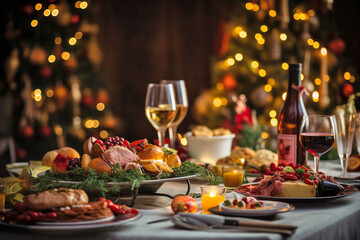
[132,166]
[120,155]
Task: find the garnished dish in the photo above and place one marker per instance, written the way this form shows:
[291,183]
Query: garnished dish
[114,160]
[295,183]
[246,203]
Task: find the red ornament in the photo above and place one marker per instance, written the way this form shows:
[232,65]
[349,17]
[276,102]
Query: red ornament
[75,19]
[337,45]
[45,72]
[45,131]
[87,100]
[222,39]
[229,82]
[28,9]
[21,155]
[27,132]
[347,90]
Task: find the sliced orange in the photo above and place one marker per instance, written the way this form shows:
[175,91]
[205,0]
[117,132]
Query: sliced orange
[354,163]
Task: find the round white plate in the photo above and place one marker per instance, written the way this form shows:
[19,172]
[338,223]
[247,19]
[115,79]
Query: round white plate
[76,223]
[272,208]
[69,229]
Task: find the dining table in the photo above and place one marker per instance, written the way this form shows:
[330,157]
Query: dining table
[337,218]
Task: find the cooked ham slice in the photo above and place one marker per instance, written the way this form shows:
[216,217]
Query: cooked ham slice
[120,155]
[132,166]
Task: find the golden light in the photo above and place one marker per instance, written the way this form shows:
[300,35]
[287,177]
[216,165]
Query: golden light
[217,102]
[78,35]
[38,6]
[100,106]
[96,124]
[239,57]
[104,134]
[58,40]
[55,12]
[283,36]
[316,45]
[323,51]
[255,7]
[77,4]
[34,23]
[273,122]
[258,36]
[262,73]
[230,61]
[83,5]
[224,101]
[271,81]
[315,96]
[242,34]
[51,58]
[58,130]
[49,93]
[272,13]
[283,96]
[272,113]
[47,12]
[249,6]
[285,66]
[311,13]
[296,16]
[261,41]
[238,29]
[264,135]
[302,16]
[183,141]
[52,7]
[327,78]
[72,41]
[347,76]
[264,28]
[317,81]
[220,86]
[267,88]
[310,41]
[254,64]
[302,76]
[89,123]
[37,92]
[352,79]
[65,55]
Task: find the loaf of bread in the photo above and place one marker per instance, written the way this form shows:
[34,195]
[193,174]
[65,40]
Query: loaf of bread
[60,197]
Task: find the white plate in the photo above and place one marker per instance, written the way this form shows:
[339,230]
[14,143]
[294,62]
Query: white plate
[69,229]
[274,208]
[267,205]
[76,223]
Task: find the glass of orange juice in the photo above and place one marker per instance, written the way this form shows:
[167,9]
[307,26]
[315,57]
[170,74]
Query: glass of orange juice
[212,196]
[233,176]
[2,196]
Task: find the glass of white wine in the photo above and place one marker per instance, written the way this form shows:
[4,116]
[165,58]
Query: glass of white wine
[160,107]
[182,106]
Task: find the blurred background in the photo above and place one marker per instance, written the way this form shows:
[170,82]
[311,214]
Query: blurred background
[73,69]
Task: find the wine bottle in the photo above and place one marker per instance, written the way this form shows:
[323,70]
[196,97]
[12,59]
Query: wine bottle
[289,147]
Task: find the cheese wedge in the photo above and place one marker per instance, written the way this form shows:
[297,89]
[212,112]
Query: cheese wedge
[297,189]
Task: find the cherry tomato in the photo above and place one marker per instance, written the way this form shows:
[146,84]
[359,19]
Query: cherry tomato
[134,211]
[308,181]
[306,175]
[114,208]
[109,203]
[304,168]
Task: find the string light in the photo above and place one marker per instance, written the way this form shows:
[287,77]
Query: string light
[52,7]
[272,13]
[352,79]
[296,16]
[310,42]
[267,88]
[264,28]
[217,102]
[283,36]
[239,57]
[100,106]
[316,45]
[327,78]
[72,41]
[262,73]
[58,130]
[285,66]
[78,35]
[347,76]
[255,7]
[243,34]
[230,61]
[83,5]
[89,123]
[302,76]
[183,141]
[271,81]
[77,4]
[249,6]
[51,58]
[224,101]
[55,12]
[254,64]
[311,13]
[47,12]
[49,93]
[58,40]
[283,96]
[258,36]
[317,81]
[264,135]
[272,113]
[96,123]
[34,23]
[38,6]
[65,55]
[273,122]
[261,41]
[104,134]
[315,96]
[220,86]
[323,51]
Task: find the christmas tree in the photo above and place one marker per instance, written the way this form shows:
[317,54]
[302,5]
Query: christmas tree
[53,74]
[255,44]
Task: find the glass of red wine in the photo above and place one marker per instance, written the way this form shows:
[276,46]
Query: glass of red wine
[317,135]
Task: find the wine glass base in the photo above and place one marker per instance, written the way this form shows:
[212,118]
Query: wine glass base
[346,176]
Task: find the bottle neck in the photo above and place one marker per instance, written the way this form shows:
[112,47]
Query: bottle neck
[294,78]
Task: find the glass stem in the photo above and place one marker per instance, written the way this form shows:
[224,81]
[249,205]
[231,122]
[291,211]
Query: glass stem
[344,164]
[316,163]
[161,136]
[172,136]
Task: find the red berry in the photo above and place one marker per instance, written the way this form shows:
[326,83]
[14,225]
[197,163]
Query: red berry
[109,203]
[290,176]
[308,181]
[134,211]
[268,172]
[51,215]
[280,168]
[33,215]
[291,165]
[297,166]
[235,202]
[247,200]
[273,166]
[281,164]
[121,212]
[101,198]
[127,211]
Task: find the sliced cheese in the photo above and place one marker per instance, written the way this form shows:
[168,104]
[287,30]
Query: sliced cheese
[297,189]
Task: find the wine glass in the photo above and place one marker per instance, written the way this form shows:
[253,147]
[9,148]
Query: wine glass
[181,107]
[160,107]
[357,132]
[344,132]
[317,135]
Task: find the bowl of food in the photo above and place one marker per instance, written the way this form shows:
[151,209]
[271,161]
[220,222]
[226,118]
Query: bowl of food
[209,145]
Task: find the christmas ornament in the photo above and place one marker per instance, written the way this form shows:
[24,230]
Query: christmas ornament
[102,96]
[38,55]
[347,90]
[337,45]
[222,39]
[260,98]
[45,131]
[26,132]
[45,72]
[274,45]
[21,154]
[60,95]
[229,82]
[75,19]
[87,99]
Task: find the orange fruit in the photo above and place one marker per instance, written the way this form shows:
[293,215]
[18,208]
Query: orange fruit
[99,165]
[184,204]
[49,158]
[69,152]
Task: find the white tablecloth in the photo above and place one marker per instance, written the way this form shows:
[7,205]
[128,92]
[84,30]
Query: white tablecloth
[335,219]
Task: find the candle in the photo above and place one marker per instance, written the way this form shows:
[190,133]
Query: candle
[233,176]
[212,196]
